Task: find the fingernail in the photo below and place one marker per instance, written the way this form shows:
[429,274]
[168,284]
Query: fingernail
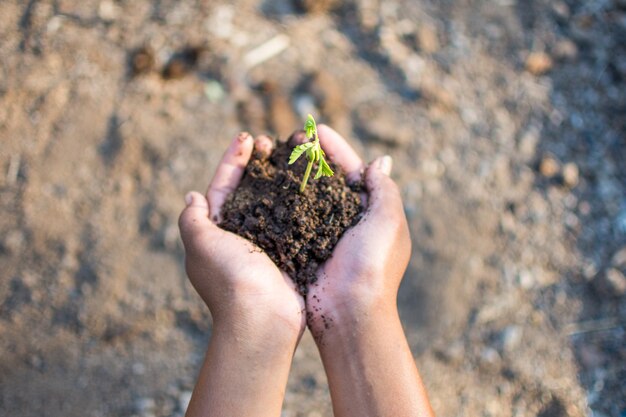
[263,144]
[189,199]
[385,163]
[297,138]
[243,136]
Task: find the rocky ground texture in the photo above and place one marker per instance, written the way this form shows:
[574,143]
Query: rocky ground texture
[507,123]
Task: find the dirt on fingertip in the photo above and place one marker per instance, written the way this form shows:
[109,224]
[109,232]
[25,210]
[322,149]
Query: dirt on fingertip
[298,231]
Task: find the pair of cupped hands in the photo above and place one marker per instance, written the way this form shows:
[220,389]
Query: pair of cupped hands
[245,290]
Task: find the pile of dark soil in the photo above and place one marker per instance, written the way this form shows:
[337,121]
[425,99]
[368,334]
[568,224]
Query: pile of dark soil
[297,230]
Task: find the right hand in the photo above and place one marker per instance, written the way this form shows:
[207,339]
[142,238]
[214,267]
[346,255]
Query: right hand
[240,284]
[364,272]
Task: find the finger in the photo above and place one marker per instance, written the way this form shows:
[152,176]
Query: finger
[340,152]
[383,193]
[263,144]
[229,173]
[297,138]
[386,213]
[194,219]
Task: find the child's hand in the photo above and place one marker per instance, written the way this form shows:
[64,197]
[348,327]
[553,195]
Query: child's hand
[239,283]
[257,314]
[351,309]
[366,267]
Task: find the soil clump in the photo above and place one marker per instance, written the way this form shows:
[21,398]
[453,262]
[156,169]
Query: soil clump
[298,231]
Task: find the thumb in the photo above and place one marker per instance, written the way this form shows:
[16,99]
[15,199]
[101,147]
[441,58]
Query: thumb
[384,164]
[381,189]
[194,218]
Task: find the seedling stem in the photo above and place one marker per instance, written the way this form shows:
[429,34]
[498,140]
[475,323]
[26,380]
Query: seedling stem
[314,154]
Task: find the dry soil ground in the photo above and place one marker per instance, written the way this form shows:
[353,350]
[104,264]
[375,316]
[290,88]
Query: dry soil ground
[507,123]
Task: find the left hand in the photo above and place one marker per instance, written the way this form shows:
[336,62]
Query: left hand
[364,272]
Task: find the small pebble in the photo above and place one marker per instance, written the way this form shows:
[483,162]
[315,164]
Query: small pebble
[561,9]
[433,168]
[549,167]
[566,50]
[145,405]
[528,143]
[494,407]
[616,282]
[221,21]
[214,91]
[142,61]
[107,10]
[490,357]
[526,279]
[511,337]
[427,39]
[570,174]
[538,63]
[618,260]
[14,241]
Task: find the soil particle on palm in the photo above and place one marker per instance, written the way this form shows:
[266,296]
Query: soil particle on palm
[297,230]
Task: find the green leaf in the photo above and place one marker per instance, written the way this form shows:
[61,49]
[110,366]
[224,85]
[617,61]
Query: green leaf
[298,151]
[324,169]
[328,172]
[310,127]
[310,153]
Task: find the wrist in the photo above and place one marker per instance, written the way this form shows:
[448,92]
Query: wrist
[339,317]
[258,325]
[248,359]
[350,298]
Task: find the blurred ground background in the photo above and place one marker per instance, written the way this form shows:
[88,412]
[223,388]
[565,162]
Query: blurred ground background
[507,123]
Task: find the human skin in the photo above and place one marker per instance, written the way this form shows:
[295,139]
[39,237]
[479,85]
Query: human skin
[257,314]
[258,317]
[351,308]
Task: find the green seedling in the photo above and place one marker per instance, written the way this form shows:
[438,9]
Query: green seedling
[314,154]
